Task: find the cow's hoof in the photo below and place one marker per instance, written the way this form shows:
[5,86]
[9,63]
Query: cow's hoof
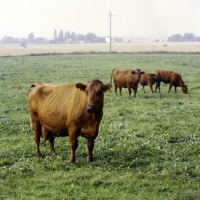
[90,159]
[53,153]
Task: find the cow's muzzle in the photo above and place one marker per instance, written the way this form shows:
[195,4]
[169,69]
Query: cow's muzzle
[91,109]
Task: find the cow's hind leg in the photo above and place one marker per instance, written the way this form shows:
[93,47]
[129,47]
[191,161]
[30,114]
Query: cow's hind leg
[50,138]
[36,126]
[170,87]
[151,88]
[157,86]
[129,91]
[90,144]
[115,89]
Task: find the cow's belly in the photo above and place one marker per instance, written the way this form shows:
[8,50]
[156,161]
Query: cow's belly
[56,131]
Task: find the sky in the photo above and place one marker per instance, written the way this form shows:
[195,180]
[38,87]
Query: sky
[130,18]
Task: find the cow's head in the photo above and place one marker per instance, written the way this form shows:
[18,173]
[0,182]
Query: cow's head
[184,89]
[95,94]
[138,72]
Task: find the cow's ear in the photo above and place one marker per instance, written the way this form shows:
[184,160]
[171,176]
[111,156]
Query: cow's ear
[142,72]
[133,72]
[80,86]
[107,87]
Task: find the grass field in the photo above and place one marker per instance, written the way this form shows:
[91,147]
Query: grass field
[147,148]
[135,47]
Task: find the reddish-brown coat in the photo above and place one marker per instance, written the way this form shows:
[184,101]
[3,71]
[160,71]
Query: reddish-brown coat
[67,110]
[126,79]
[148,79]
[172,78]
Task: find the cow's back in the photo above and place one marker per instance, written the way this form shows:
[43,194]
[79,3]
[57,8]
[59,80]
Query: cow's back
[50,103]
[120,77]
[165,76]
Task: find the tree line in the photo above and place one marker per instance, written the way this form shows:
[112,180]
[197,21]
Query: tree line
[59,37]
[72,37]
[187,37]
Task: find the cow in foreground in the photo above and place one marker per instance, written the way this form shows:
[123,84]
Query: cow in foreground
[148,79]
[126,79]
[172,78]
[67,110]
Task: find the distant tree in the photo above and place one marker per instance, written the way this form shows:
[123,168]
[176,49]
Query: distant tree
[175,38]
[187,37]
[30,38]
[7,40]
[61,36]
[67,35]
[73,35]
[55,35]
[90,37]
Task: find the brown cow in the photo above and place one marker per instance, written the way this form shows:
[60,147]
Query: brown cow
[126,79]
[67,110]
[148,79]
[172,78]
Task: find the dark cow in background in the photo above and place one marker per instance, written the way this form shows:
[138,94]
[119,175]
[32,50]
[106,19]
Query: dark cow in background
[172,78]
[67,110]
[148,79]
[126,79]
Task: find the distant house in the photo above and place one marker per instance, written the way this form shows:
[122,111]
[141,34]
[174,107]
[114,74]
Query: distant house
[114,39]
[108,40]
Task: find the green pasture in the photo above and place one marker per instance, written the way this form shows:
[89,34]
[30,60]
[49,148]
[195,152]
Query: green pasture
[147,148]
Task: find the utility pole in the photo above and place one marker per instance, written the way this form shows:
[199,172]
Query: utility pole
[110,32]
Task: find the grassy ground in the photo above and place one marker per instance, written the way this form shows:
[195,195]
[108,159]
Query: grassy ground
[147,148]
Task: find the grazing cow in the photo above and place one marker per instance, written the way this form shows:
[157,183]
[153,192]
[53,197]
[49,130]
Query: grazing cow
[126,79]
[148,79]
[172,78]
[67,110]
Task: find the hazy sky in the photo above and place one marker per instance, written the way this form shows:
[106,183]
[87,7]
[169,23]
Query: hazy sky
[143,18]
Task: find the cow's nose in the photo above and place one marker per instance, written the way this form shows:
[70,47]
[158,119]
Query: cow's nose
[90,109]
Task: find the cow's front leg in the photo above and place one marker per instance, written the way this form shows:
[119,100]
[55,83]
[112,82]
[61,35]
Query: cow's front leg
[74,146]
[135,91]
[90,144]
